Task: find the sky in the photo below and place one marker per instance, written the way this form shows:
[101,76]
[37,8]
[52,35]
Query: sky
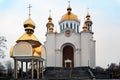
[105,15]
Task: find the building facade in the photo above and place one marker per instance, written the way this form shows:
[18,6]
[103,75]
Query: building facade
[70,47]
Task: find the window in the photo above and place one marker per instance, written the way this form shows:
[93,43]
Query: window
[71,25]
[66,25]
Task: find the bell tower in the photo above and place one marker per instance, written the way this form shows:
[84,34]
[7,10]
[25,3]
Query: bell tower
[50,25]
[88,22]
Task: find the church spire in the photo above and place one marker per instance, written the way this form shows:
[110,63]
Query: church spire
[69,9]
[29,25]
[50,25]
[88,21]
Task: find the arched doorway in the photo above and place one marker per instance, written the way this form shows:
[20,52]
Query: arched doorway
[68,55]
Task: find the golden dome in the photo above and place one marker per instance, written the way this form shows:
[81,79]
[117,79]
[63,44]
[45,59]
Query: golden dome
[51,29]
[84,28]
[50,21]
[69,15]
[88,18]
[29,22]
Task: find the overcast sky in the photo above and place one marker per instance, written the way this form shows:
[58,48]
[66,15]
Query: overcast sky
[105,15]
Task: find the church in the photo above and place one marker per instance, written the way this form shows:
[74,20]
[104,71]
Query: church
[70,47]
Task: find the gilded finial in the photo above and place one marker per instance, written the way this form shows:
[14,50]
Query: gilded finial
[29,9]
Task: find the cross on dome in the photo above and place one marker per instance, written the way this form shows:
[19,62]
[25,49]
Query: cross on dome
[29,9]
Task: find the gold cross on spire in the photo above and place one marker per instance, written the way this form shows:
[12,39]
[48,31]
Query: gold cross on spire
[29,9]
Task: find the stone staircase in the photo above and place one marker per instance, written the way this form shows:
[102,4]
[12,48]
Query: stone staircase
[58,73]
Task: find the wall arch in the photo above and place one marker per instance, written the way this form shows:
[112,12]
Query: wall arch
[68,51]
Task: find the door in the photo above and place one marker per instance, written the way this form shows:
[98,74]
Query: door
[68,55]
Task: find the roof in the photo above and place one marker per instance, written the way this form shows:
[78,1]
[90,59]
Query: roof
[31,38]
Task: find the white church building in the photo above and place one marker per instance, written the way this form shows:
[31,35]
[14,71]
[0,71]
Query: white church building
[70,47]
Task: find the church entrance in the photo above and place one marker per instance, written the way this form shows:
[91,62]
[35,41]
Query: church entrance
[68,56]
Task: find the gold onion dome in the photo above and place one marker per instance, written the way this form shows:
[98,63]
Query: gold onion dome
[84,28]
[51,29]
[88,18]
[50,21]
[29,23]
[69,15]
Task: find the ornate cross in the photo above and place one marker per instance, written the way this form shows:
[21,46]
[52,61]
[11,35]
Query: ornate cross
[29,9]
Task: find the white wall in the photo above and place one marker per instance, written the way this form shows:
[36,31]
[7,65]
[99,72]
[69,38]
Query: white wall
[83,44]
[74,41]
[84,49]
[50,49]
[87,49]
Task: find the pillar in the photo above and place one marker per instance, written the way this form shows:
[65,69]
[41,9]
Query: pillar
[38,69]
[32,69]
[42,70]
[22,69]
[15,69]
[27,69]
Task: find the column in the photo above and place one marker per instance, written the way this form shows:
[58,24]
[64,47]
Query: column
[27,69]
[37,69]
[32,69]
[22,69]
[42,70]
[15,69]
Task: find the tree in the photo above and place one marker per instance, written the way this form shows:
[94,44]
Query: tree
[2,46]
[9,68]
[100,69]
[2,69]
